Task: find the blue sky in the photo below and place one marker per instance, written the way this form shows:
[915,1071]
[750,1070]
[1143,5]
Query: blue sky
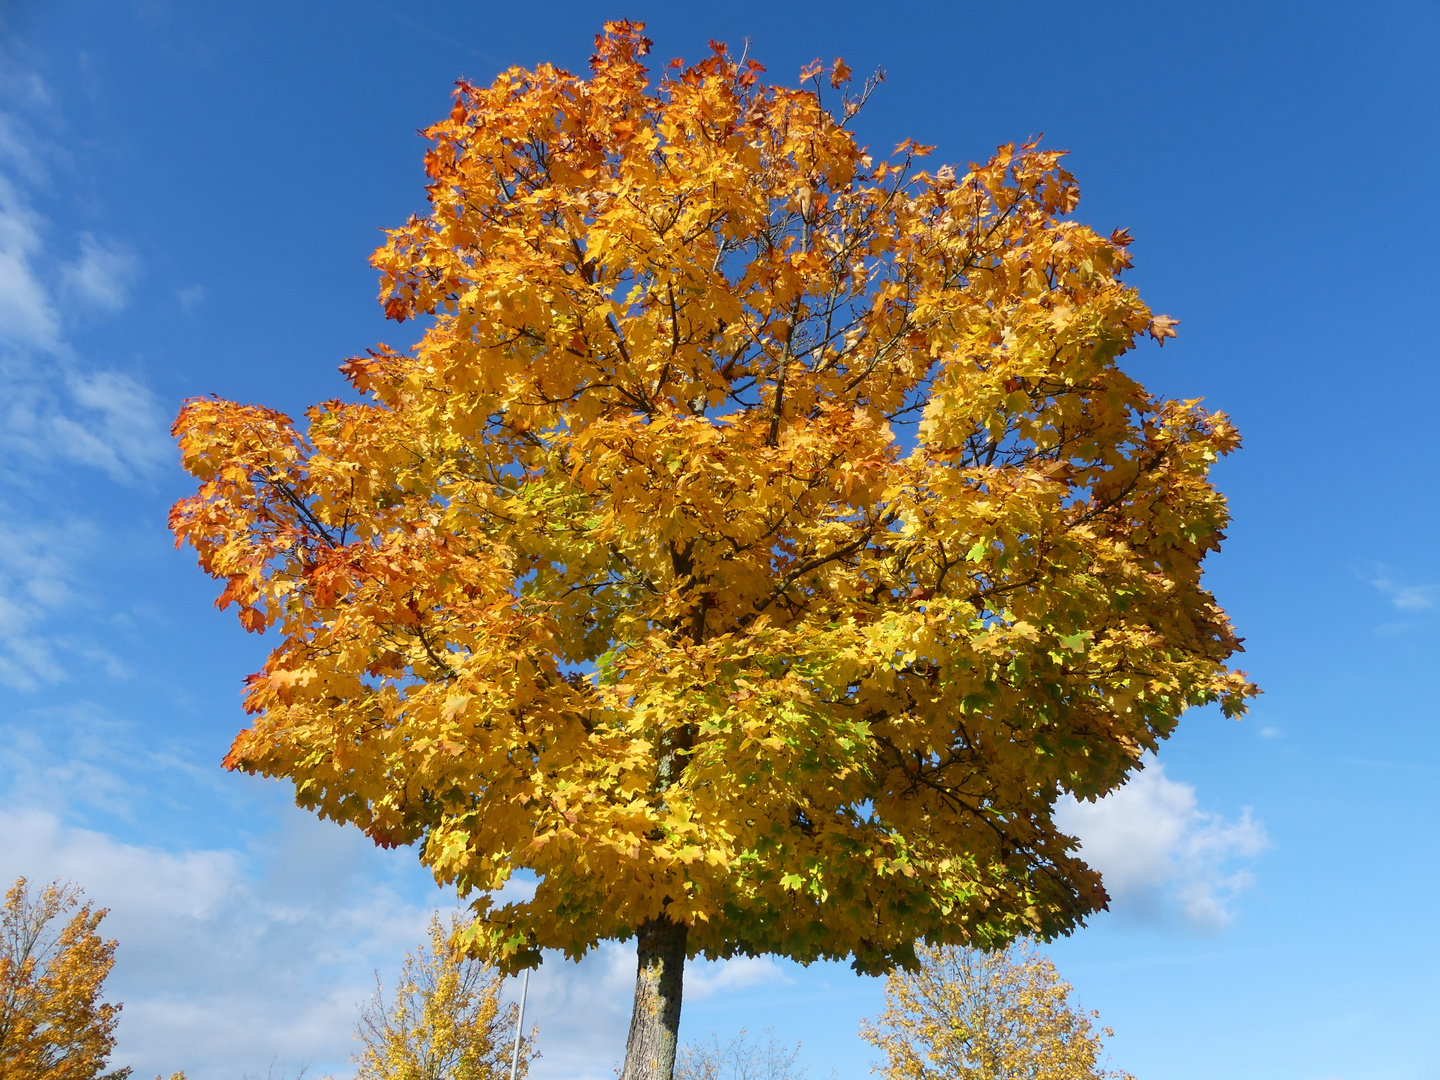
[188,195]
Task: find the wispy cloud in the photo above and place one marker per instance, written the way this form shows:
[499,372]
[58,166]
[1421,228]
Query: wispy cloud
[28,319]
[191,297]
[57,406]
[39,583]
[709,978]
[1161,856]
[102,275]
[35,581]
[1405,597]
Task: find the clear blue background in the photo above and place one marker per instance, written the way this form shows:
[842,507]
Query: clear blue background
[1277,164]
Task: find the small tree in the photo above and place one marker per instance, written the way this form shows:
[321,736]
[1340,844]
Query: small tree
[739,1058]
[53,1025]
[756,544]
[964,1014]
[444,1022]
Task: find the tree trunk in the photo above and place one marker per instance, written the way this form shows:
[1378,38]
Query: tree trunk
[655,1022]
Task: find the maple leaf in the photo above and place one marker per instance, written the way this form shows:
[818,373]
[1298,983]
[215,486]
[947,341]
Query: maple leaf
[1162,327]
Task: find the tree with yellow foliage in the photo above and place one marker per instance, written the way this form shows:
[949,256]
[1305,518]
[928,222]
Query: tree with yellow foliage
[756,543]
[53,1025]
[444,1021]
[964,1014]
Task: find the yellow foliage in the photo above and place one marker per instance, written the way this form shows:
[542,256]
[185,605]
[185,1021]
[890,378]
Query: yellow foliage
[760,536]
[444,1022]
[53,1025]
[964,1014]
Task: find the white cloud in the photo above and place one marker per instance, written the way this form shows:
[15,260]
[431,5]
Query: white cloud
[233,957]
[191,297]
[103,419]
[1160,855]
[119,427]
[707,978]
[38,582]
[101,277]
[1406,597]
[27,316]
[231,960]
[54,406]
[81,762]
[16,139]
[35,580]
[583,1012]
[228,961]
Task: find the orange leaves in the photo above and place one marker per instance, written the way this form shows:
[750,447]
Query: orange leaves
[910,148]
[621,44]
[723,547]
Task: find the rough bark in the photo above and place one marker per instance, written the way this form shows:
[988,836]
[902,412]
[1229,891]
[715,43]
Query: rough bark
[655,1021]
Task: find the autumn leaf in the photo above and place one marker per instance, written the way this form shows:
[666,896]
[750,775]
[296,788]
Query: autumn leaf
[1162,327]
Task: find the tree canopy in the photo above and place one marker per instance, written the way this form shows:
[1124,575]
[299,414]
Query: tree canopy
[760,537]
[444,1021]
[53,1023]
[963,1014]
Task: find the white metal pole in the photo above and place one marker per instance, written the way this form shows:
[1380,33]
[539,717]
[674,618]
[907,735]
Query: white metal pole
[519,1024]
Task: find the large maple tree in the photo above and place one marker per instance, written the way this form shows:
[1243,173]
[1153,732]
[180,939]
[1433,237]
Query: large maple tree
[758,541]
